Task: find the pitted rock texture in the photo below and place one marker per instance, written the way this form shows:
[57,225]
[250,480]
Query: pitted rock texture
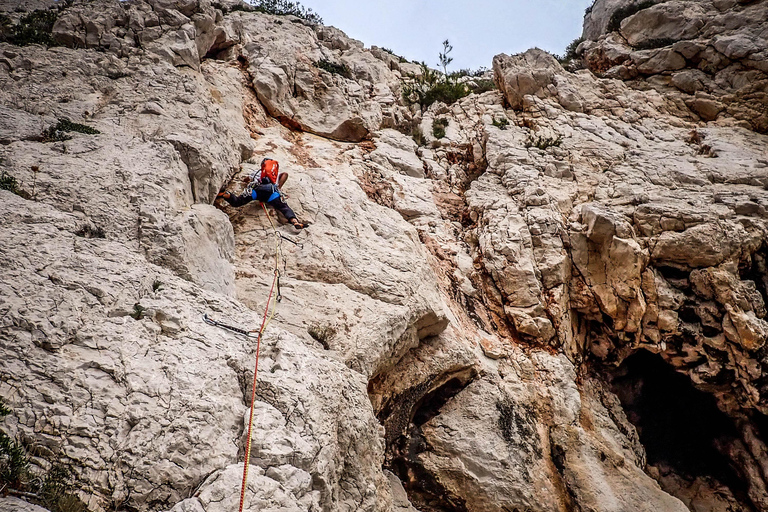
[711,55]
[452,319]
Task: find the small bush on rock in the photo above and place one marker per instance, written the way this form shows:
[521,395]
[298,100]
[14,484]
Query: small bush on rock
[32,28]
[138,311]
[322,334]
[8,182]
[625,12]
[333,68]
[570,51]
[438,128]
[59,131]
[543,143]
[14,464]
[88,231]
[501,123]
[430,87]
[52,489]
[482,85]
[287,8]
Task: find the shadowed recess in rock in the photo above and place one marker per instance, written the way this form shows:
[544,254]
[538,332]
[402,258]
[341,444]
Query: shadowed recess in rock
[403,417]
[680,427]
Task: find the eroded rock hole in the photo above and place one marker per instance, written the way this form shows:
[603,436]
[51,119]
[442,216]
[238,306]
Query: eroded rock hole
[681,428]
[404,416]
[430,405]
[755,269]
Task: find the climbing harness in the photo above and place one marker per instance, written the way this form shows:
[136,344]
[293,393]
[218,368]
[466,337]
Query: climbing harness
[266,319]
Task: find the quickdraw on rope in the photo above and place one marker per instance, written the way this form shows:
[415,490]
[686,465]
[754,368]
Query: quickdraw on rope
[268,315]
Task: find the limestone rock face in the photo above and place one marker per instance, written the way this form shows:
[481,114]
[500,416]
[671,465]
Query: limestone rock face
[282,56]
[455,325]
[723,42]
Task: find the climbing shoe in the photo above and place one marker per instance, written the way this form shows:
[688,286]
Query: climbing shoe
[300,225]
[223,195]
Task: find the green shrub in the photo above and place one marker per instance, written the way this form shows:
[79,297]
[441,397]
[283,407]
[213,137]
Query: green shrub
[654,43]
[59,131]
[430,87]
[8,182]
[482,85]
[51,490]
[625,12]
[138,311]
[14,464]
[570,51]
[285,8]
[501,123]
[332,67]
[33,28]
[4,410]
[473,73]
[543,142]
[157,286]
[438,127]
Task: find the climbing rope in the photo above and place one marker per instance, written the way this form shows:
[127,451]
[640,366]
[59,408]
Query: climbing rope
[264,322]
[266,319]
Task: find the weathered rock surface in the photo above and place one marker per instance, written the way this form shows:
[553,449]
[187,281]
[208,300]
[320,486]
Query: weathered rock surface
[455,320]
[723,41]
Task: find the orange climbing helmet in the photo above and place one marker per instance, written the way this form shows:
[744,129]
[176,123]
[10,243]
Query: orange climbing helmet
[269,170]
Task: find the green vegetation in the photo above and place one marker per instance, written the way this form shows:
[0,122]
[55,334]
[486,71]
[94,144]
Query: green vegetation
[14,463]
[59,131]
[654,43]
[438,127]
[431,85]
[157,285]
[53,489]
[32,28]
[482,85]
[501,123]
[287,8]
[625,12]
[332,67]
[8,182]
[570,51]
[543,142]
[138,311]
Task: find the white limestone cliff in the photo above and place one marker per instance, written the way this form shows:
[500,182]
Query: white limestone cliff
[455,320]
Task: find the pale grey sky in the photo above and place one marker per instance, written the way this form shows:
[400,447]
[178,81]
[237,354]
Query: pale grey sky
[477,29]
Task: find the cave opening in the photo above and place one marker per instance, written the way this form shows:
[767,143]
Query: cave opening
[680,427]
[404,416]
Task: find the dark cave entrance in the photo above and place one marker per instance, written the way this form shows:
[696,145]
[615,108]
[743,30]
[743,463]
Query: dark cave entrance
[403,416]
[680,427]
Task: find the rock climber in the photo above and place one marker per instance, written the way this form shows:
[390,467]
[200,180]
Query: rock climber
[264,186]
